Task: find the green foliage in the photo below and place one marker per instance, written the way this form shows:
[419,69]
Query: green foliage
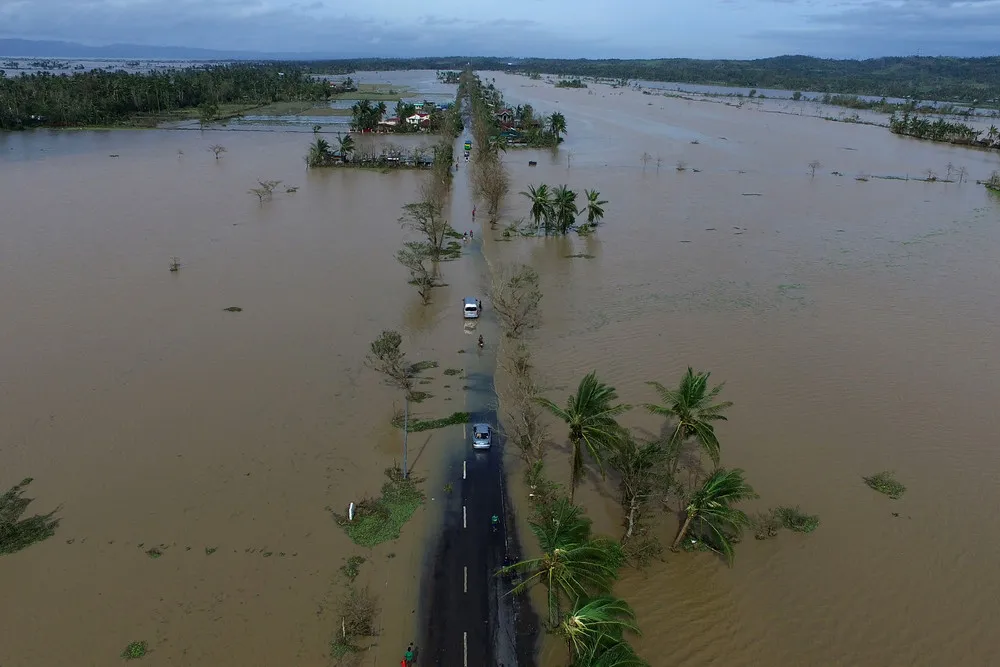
[453,371]
[210,550]
[378,520]
[135,650]
[154,553]
[796,520]
[421,366]
[942,130]
[352,568]
[884,482]
[111,98]
[570,83]
[712,519]
[17,533]
[691,411]
[416,425]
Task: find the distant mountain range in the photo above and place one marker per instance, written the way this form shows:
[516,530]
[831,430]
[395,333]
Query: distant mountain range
[29,48]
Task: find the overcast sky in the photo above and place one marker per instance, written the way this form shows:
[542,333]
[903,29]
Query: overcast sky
[545,28]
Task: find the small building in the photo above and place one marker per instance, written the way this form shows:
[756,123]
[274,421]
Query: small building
[419,119]
[505,116]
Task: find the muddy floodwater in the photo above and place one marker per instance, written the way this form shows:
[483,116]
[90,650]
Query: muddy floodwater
[853,320]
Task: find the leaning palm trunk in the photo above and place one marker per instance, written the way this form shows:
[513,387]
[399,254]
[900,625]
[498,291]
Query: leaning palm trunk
[684,529]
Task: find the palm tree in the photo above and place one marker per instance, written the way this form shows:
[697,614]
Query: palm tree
[319,152]
[557,124]
[564,209]
[590,415]
[595,626]
[690,405]
[595,206]
[616,654]
[346,145]
[569,570]
[560,523]
[541,203]
[497,144]
[380,109]
[710,510]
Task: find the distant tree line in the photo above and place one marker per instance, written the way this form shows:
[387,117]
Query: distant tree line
[942,130]
[918,77]
[108,98]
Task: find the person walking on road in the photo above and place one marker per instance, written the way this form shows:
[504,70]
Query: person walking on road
[408,656]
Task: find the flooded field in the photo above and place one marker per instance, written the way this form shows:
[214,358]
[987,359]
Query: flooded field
[853,323]
[852,320]
[155,419]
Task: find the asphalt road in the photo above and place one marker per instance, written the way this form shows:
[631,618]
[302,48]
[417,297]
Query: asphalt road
[468,620]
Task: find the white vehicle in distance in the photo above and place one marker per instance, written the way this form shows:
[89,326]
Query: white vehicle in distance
[471,307]
[482,436]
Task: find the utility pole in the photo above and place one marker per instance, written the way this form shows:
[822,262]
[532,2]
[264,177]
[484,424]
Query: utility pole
[406,423]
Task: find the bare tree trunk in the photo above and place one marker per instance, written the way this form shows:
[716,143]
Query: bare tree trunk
[684,530]
[633,508]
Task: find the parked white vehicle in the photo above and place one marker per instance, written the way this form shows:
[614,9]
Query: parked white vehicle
[482,436]
[471,308]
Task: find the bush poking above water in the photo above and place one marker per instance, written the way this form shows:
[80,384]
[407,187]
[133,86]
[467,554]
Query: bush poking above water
[415,425]
[796,520]
[17,533]
[135,650]
[352,568]
[884,482]
[378,520]
[765,525]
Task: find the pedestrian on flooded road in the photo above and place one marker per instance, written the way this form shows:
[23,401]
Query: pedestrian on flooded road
[470,234]
[408,656]
[473,212]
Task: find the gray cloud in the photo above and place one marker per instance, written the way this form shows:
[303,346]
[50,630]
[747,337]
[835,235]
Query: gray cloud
[555,28]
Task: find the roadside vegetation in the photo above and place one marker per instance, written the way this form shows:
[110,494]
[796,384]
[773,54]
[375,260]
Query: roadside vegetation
[912,125]
[380,519]
[555,210]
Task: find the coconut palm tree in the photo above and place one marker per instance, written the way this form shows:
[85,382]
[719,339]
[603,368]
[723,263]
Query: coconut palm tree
[595,626]
[711,513]
[564,208]
[497,144]
[560,523]
[691,407]
[590,415]
[346,145]
[557,124]
[319,152]
[595,207]
[541,204]
[570,570]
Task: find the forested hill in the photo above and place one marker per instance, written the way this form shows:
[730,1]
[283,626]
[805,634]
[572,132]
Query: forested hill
[927,77]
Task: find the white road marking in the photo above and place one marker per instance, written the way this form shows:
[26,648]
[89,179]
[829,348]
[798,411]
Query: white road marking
[463,469]
[465,585]
[464,525]
[465,433]
[465,649]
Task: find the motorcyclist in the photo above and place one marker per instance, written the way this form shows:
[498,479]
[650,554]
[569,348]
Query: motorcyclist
[481,341]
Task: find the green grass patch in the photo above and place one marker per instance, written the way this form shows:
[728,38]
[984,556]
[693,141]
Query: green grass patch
[352,568]
[419,396]
[452,234]
[154,553]
[135,650]
[884,482]
[415,425]
[453,371]
[378,520]
[17,533]
[796,520]
[210,550]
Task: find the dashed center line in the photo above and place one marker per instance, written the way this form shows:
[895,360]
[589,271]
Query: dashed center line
[465,649]
[464,525]
[463,469]
[465,583]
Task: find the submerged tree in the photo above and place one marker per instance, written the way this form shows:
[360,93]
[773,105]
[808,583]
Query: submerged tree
[594,629]
[711,515]
[415,255]
[590,414]
[643,471]
[218,149]
[17,533]
[426,218]
[541,204]
[557,125]
[515,296]
[595,207]
[386,356]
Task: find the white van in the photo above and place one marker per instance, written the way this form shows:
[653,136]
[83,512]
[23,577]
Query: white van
[471,307]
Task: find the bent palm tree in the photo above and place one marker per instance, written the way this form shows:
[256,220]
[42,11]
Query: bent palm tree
[690,405]
[560,523]
[618,654]
[541,204]
[346,145]
[564,208]
[595,626]
[590,416]
[710,510]
[570,572]
[642,469]
[595,206]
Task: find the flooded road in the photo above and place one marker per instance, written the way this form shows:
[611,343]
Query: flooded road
[853,322]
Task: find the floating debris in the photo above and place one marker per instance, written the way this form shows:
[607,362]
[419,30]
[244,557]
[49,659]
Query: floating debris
[233,309]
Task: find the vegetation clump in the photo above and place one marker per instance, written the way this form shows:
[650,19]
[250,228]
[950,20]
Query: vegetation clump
[17,533]
[135,650]
[884,482]
[357,609]
[993,182]
[352,568]
[416,425]
[796,520]
[555,210]
[378,520]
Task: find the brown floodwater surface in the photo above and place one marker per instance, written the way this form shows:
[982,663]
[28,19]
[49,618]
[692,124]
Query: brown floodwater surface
[854,324]
[154,418]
